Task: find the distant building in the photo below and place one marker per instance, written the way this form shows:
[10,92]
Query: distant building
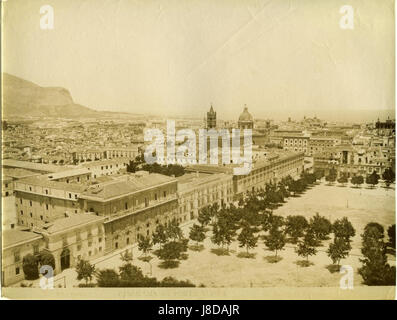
[245,121]
[211,119]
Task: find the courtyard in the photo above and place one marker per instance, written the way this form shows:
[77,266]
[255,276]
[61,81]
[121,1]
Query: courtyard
[360,205]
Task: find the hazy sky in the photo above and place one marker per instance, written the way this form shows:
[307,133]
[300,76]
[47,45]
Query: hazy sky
[281,58]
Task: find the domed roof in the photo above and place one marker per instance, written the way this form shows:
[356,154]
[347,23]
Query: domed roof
[245,115]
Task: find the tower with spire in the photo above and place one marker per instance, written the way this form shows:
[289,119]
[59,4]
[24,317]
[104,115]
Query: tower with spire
[211,119]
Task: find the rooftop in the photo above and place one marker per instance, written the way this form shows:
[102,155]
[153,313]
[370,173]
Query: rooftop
[68,173]
[42,181]
[73,221]
[13,237]
[126,184]
[32,166]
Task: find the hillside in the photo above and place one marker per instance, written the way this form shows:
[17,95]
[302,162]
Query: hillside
[25,99]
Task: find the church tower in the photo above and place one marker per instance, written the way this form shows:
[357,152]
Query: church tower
[211,119]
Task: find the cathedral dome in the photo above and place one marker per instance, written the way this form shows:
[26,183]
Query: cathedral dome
[245,116]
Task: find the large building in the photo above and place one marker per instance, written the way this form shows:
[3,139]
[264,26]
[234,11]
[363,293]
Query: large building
[40,200]
[132,205]
[17,244]
[197,190]
[352,160]
[272,168]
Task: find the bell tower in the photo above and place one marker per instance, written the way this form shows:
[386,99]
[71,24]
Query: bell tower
[211,119]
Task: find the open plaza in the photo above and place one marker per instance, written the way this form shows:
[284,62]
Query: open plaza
[360,205]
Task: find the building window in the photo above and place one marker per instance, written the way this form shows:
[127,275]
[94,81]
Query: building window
[116,245]
[35,249]
[21,212]
[126,206]
[41,218]
[17,270]
[46,206]
[17,256]
[30,203]
[46,192]
[70,196]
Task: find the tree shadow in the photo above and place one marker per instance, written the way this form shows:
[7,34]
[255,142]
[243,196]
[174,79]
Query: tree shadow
[333,268]
[220,251]
[247,255]
[169,264]
[304,263]
[146,259]
[195,247]
[184,256]
[273,259]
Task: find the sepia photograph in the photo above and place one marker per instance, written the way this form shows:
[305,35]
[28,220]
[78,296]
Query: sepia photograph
[198,150]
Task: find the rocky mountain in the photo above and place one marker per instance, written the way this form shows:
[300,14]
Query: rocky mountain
[23,98]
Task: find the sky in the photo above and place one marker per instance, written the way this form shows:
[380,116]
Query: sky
[177,57]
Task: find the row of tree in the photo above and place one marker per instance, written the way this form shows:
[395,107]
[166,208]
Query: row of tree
[128,275]
[371,179]
[139,163]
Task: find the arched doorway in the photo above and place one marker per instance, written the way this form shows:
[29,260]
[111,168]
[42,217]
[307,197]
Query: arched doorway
[65,259]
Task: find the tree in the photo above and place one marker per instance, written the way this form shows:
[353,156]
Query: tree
[391,232]
[372,179]
[204,216]
[307,246]
[173,231]
[126,257]
[197,233]
[223,230]
[389,176]
[172,282]
[276,240]
[247,238]
[46,258]
[339,249]
[144,245]
[319,173]
[343,228]
[332,175]
[30,267]
[375,270]
[357,180]
[321,227]
[85,270]
[107,278]
[132,276]
[160,235]
[343,179]
[171,252]
[295,227]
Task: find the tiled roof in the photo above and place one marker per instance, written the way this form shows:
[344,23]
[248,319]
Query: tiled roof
[13,237]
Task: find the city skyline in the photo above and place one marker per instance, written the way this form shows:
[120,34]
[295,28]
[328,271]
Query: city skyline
[280,59]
